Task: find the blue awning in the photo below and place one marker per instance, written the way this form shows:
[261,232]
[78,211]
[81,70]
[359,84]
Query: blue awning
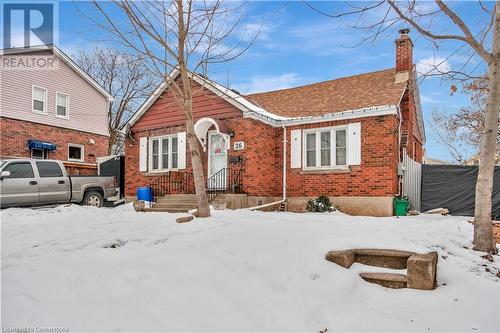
[41,145]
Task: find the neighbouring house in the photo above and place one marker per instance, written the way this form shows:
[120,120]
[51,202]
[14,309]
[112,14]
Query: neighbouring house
[50,108]
[474,160]
[434,161]
[343,138]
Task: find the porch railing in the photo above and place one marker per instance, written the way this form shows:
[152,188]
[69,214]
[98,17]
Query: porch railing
[226,180]
[173,183]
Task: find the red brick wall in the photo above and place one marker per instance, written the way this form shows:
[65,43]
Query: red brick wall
[14,135]
[376,176]
[410,124]
[404,53]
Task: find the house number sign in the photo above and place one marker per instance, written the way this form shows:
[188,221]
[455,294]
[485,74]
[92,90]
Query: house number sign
[239,145]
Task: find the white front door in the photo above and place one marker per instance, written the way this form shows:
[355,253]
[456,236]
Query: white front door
[217,160]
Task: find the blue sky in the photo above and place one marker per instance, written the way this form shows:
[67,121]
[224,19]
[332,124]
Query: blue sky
[297,45]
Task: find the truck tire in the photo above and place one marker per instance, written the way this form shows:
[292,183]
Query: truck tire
[93,198]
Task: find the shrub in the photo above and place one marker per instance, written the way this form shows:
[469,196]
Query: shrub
[321,204]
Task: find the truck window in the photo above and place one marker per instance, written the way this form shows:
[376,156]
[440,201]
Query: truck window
[20,170]
[49,169]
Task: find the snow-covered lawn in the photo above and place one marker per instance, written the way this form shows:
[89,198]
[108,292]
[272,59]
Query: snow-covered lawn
[235,271]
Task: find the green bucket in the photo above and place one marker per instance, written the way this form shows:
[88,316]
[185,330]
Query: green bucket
[401,206]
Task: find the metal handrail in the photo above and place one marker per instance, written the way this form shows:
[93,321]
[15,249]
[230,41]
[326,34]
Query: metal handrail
[226,180]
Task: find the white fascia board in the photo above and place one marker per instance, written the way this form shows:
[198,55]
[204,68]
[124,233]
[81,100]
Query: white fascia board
[350,114]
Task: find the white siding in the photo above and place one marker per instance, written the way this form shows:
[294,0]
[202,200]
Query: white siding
[88,107]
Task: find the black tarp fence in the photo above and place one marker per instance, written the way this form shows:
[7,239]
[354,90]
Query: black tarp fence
[454,187]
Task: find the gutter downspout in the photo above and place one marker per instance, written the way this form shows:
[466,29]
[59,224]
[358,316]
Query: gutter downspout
[284,177]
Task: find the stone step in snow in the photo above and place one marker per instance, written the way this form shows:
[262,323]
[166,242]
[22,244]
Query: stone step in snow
[388,280]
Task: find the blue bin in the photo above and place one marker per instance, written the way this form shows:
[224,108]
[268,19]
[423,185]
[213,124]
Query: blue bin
[145,193]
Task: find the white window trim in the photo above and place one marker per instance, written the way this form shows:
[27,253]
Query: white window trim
[44,112]
[44,153]
[333,161]
[160,160]
[82,159]
[67,105]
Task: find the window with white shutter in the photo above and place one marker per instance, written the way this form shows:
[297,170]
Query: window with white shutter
[167,152]
[325,147]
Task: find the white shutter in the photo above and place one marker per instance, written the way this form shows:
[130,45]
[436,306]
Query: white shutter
[181,150]
[143,154]
[296,149]
[354,144]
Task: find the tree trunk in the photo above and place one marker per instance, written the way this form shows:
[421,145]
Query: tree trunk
[187,103]
[483,227]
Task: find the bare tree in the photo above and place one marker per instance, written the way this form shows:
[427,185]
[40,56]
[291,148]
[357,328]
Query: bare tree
[126,78]
[461,131]
[483,42]
[450,136]
[185,36]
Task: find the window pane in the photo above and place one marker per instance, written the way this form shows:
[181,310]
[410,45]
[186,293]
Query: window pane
[311,158]
[174,144]
[61,110]
[325,157]
[20,170]
[311,150]
[62,99]
[155,147]
[75,152]
[38,105]
[49,169]
[38,94]
[164,153]
[340,139]
[155,154]
[311,141]
[37,153]
[325,148]
[341,156]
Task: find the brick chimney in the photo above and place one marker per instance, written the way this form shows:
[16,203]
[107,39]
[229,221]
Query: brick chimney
[404,55]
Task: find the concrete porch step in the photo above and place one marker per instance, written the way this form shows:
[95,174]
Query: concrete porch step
[388,280]
[167,210]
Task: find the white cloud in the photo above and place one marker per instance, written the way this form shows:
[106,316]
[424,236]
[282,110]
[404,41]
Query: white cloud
[261,83]
[251,31]
[433,66]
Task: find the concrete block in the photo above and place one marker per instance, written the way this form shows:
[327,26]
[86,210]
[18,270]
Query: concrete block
[421,271]
[342,258]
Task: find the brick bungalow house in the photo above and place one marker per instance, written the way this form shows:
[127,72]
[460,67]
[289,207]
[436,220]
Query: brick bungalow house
[343,138]
[51,108]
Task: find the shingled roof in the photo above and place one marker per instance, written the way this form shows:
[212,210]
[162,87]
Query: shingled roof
[343,94]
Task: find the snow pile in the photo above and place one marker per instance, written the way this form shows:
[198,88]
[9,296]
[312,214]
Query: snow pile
[90,269]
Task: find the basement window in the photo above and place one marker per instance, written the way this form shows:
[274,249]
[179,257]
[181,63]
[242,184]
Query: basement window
[39,154]
[75,152]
